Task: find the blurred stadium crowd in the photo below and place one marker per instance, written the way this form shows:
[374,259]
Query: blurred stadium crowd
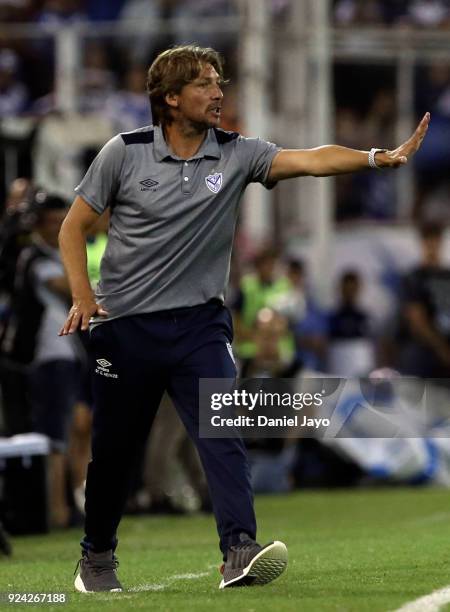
[281,329]
[368,113]
[111,80]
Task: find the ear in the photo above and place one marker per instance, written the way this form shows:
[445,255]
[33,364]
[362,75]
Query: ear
[172,100]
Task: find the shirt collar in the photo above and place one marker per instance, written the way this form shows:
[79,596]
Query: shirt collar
[210,147]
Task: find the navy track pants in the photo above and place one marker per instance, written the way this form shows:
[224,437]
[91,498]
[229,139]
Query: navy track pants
[134,360]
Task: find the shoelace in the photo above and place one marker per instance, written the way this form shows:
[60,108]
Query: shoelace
[99,567]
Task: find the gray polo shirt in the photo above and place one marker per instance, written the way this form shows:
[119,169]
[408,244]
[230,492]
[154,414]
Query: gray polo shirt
[172,220]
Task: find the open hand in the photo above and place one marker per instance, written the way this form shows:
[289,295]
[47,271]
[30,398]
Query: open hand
[399,156]
[79,315]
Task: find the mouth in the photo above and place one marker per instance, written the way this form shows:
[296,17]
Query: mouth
[215,110]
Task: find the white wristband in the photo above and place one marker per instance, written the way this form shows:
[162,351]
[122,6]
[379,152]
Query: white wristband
[372,162]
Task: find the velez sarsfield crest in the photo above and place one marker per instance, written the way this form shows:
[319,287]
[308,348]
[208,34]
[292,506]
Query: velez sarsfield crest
[214,182]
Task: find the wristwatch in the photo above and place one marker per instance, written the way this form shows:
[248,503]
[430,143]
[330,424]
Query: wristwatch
[372,162]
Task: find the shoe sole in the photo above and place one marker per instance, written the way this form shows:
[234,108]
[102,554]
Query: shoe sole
[266,566]
[79,585]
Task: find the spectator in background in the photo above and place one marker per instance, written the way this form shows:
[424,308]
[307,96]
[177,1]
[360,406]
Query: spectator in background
[13,93]
[271,357]
[351,350]
[425,312]
[40,300]
[262,288]
[15,230]
[349,320]
[292,304]
[15,234]
[128,108]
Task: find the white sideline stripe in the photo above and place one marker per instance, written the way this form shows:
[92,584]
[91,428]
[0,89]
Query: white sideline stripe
[167,583]
[428,603]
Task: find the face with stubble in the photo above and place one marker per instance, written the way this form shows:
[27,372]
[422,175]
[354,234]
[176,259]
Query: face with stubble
[199,103]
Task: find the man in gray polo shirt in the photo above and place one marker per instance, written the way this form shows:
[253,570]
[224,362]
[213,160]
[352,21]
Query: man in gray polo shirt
[158,319]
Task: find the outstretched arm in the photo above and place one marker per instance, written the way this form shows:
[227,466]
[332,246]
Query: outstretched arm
[330,160]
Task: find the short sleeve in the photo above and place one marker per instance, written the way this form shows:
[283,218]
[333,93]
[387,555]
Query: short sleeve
[257,156]
[102,179]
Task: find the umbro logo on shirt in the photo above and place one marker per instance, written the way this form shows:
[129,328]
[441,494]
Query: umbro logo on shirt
[148,185]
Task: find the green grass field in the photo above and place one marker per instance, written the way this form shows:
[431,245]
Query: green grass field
[349,550]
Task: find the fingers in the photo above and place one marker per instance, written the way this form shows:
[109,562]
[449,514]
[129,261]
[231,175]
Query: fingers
[422,128]
[87,314]
[425,119]
[79,317]
[85,321]
[72,322]
[400,156]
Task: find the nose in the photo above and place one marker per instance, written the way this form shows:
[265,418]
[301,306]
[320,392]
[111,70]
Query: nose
[217,93]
